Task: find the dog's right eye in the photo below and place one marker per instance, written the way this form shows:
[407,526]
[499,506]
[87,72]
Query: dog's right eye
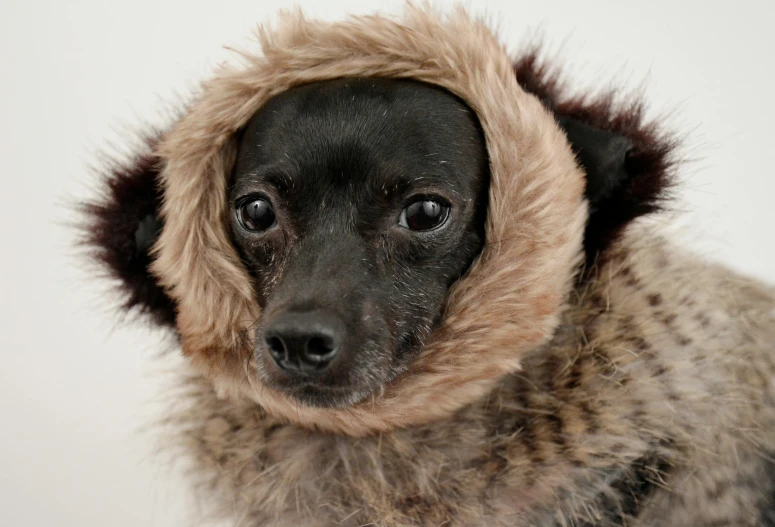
[256,215]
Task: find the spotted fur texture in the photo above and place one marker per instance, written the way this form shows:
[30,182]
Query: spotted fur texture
[639,392]
[651,405]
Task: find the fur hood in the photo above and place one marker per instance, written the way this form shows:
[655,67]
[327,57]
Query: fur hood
[534,232]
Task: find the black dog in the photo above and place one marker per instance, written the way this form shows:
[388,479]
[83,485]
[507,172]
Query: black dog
[356,204]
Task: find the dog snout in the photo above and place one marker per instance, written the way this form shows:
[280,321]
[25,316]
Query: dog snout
[303,343]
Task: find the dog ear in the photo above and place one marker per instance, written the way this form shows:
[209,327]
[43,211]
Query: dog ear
[628,162]
[602,154]
[121,225]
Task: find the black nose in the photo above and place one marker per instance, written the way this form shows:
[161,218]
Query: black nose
[304,342]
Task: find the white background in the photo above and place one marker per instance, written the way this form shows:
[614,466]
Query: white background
[76,387]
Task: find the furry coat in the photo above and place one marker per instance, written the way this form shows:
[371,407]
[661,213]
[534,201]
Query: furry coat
[586,372]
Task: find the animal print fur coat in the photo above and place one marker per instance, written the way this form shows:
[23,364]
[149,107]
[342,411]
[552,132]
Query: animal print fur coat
[587,371]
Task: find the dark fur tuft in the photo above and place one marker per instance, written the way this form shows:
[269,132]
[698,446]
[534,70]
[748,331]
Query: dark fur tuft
[648,165]
[120,226]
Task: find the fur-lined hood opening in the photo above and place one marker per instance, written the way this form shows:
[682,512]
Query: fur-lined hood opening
[538,225]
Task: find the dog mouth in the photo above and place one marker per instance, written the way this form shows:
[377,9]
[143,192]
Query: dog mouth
[320,396]
[339,389]
[315,392]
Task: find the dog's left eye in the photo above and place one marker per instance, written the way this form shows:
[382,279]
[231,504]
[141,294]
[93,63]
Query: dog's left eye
[424,215]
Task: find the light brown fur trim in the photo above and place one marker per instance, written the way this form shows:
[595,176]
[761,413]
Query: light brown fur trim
[534,227]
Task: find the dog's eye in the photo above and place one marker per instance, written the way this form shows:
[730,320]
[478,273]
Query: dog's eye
[424,215]
[256,215]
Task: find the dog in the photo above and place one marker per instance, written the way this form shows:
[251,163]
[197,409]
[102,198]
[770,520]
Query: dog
[407,272]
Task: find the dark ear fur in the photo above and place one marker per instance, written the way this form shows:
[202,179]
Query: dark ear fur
[121,226]
[628,162]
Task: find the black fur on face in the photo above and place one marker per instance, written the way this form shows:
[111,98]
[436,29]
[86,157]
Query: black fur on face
[356,204]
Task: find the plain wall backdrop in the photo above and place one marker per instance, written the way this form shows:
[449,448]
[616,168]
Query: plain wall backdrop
[78,388]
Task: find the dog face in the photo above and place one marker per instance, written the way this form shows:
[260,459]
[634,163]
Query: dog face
[355,205]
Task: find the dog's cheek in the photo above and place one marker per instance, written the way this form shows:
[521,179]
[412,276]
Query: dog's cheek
[374,361]
[416,308]
[422,285]
[415,275]
[266,263]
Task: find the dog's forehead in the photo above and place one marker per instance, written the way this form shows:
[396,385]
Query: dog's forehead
[390,133]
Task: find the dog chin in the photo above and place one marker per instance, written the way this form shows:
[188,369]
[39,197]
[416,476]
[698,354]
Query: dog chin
[316,396]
